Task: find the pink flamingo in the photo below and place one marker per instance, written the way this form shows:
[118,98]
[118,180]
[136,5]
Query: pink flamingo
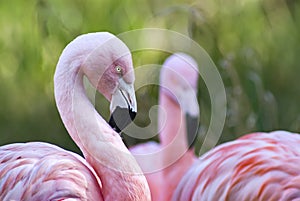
[164,164]
[39,171]
[258,166]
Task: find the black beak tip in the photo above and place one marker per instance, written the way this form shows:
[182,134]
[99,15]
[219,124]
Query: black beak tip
[121,118]
[192,130]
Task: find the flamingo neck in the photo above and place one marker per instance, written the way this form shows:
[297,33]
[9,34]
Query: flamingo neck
[120,175]
[172,124]
[176,157]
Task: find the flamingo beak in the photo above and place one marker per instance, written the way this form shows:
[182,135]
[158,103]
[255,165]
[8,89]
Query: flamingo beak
[123,106]
[192,129]
[189,104]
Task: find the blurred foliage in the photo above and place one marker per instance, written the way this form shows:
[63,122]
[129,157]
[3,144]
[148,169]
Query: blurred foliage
[255,45]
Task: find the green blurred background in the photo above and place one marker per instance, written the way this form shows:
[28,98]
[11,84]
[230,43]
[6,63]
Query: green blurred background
[255,45]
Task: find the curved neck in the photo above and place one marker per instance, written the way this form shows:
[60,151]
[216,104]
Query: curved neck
[120,176]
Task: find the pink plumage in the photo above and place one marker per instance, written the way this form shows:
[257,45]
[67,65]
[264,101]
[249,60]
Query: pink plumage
[41,171]
[166,162]
[38,171]
[258,166]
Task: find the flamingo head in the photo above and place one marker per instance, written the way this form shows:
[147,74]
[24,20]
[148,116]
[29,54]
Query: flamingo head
[109,68]
[179,79]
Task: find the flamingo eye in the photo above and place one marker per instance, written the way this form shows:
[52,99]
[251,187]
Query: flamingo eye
[118,69]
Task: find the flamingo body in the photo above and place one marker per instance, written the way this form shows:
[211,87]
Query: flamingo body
[258,166]
[41,171]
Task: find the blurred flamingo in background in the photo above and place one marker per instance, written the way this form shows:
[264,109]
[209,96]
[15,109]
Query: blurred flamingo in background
[164,164]
[258,166]
[38,171]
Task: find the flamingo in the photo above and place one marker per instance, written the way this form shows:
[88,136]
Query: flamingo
[40,171]
[257,166]
[166,162]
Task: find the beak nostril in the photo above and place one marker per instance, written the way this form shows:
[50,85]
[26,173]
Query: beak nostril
[129,99]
